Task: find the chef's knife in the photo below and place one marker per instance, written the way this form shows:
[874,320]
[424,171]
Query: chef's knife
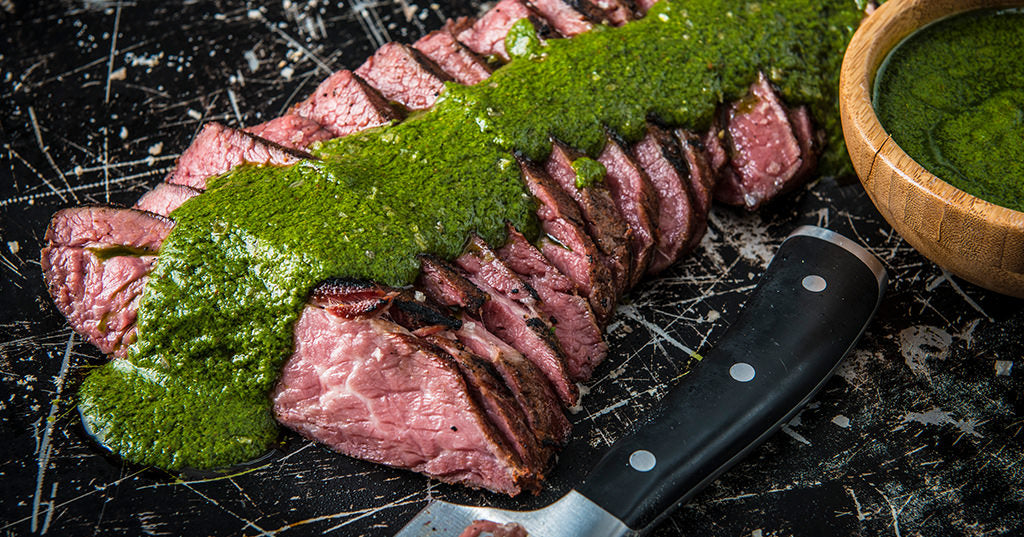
[810,307]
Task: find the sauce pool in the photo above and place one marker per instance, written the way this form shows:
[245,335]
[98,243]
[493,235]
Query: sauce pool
[952,96]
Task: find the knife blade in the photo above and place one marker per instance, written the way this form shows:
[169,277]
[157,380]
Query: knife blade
[810,307]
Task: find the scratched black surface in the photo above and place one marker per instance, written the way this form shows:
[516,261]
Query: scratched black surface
[919,433]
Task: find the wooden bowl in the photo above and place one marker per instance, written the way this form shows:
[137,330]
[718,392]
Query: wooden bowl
[981,242]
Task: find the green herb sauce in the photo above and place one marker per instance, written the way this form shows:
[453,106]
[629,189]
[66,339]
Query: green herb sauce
[952,96]
[589,172]
[215,321]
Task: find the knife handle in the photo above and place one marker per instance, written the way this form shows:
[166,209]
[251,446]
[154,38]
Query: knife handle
[810,307]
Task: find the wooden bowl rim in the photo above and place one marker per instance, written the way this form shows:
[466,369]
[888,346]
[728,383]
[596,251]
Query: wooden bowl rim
[861,63]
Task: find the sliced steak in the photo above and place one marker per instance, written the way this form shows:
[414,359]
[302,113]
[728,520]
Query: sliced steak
[495,398]
[291,130]
[404,75]
[602,219]
[637,201]
[217,149]
[765,153]
[344,103]
[659,154]
[810,140]
[576,327]
[370,389]
[460,63]
[702,182]
[447,286]
[568,246]
[352,298]
[643,6]
[95,264]
[486,36]
[529,387]
[567,18]
[512,315]
[616,12]
[165,198]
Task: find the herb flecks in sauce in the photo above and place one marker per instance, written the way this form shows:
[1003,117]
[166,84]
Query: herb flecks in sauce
[215,322]
[952,97]
[589,172]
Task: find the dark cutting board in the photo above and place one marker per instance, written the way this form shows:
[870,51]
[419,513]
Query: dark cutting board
[918,434]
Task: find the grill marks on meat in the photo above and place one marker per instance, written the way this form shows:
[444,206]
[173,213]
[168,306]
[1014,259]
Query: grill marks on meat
[217,149]
[460,63]
[345,103]
[370,389]
[445,285]
[512,315]
[576,328]
[95,264]
[637,201]
[351,298]
[602,219]
[403,74]
[567,246]
[702,182]
[659,154]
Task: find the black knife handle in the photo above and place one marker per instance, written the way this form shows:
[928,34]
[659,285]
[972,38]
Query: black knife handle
[810,307]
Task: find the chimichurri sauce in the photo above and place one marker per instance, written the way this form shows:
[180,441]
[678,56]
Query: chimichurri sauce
[952,96]
[215,321]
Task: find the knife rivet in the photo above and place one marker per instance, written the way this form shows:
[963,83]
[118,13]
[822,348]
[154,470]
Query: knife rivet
[742,372]
[814,283]
[642,460]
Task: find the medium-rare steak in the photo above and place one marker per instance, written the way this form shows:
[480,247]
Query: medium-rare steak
[567,18]
[575,326]
[370,389]
[404,75]
[95,264]
[497,401]
[165,198]
[291,130]
[602,219]
[568,247]
[703,181]
[616,12]
[659,154]
[445,285]
[217,149]
[637,201]
[512,315]
[765,153]
[344,103]
[486,36]
[460,63]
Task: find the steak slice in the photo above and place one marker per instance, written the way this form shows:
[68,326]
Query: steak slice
[529,387]
[702,182]
[446,286]
[643,6]
[602,219]
[765,153]
[95,264]
[217,149]
[810,140]
[567,18]
[291,130]
[499,404]
[575,325]
[486,36]
[512,315]
[659,154]
[165,198]
[637,201]
[616,12]
[344,103]
[568,247]
[460,63]
[532,391]
[370,389]
[404,75]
